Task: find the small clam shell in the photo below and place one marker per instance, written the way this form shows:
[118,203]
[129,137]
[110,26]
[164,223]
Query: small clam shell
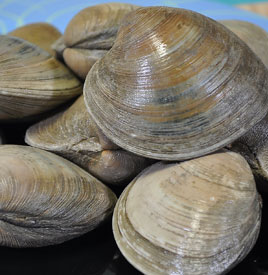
[198,217]
[254,36]
[31,80]
[41,34]
[74,135]
[46,199]
[95,27]
[176,85]
[81,60]
[90,34]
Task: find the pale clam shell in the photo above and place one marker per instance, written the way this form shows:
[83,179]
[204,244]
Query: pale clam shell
[41,34]
[176,85]
[198,217]
[74,135]
[46,199]
[254,36]
[31,80]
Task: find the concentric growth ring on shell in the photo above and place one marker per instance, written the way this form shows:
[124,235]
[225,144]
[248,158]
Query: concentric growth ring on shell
[176,85]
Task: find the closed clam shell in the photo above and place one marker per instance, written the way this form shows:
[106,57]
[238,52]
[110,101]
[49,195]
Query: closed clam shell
[46,199]
[90,34]
[254,36]
[198,217]
[31,80]
[40,34]
[74,135]
[176,85]
[95,27]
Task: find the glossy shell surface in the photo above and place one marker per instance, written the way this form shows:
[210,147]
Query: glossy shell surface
[176,85]
[198,217]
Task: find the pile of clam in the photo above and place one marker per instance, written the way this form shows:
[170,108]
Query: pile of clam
[173,108]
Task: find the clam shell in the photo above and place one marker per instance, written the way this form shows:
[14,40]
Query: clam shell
[74,135]
[41,34]
[81,60]
[31,80]
[46,199]
[254,36]
[95,27]
[176,85]
[198,217]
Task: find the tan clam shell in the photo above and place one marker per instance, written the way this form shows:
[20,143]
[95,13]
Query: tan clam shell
[31,80]
[41,34]
[95,27]
[90,34]
[81,60]
[74,135]
[46,199]
[254,36]
[176,85]
[198,217]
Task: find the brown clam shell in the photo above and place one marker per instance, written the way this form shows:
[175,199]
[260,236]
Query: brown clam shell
[41,34]
[198,217]
[176,85]
[46,199]
[74,135]
[31,80]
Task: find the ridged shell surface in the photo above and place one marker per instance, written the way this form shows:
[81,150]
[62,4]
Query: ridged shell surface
[176,85]
[95,27]
[198,217]
[31,80]
[45,199]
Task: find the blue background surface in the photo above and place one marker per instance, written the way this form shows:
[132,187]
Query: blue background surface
[15,13]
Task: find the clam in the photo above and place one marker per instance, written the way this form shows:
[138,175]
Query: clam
[31,80]
[41,34]
[254,36]
[201,216]
[90,34]
[74,135]
[46,199]
[176,85]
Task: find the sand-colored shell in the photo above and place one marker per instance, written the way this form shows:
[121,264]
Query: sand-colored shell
[198,217]
[81,60]
[74,135]
[260,8]
[90,34]
[45,199]
[41,34]
[254,36]
[176,85]
[95,27]
[31,80]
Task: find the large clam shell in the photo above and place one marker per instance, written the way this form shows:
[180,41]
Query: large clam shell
[176,85]
[46,199]
[198,217]
[41,34]
[74,135]
[31,80]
